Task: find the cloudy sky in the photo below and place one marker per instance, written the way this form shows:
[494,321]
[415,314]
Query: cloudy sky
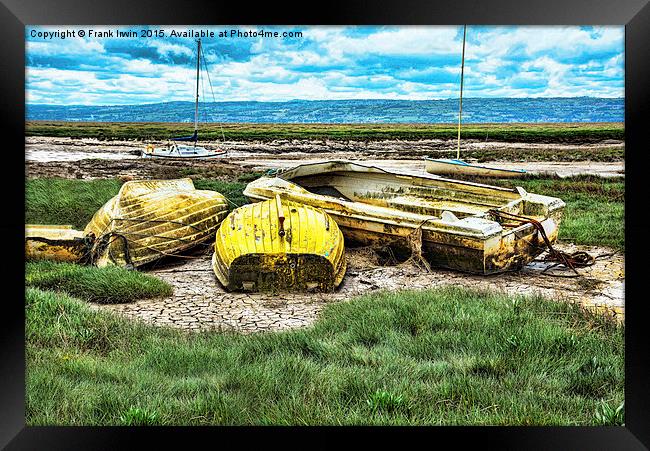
[327,63]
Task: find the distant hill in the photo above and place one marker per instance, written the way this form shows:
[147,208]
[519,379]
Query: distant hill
[475,110]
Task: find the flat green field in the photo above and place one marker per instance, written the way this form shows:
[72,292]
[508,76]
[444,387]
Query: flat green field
[576,133]
[442,356]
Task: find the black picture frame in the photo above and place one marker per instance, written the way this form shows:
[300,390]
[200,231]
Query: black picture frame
[16,14]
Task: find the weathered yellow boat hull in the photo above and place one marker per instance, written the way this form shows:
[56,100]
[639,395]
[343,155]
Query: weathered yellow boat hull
[151,219]
[279,245]
[60,243]
[376,206]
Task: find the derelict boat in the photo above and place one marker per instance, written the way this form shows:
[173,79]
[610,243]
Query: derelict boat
[279,245]
[373,206]
[443,166]
[145,221]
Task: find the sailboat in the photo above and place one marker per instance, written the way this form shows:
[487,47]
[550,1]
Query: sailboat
[457,166]
[185,151]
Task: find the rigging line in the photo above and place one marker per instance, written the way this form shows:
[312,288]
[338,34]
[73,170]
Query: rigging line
[214,100]
[203,108]
[460,109]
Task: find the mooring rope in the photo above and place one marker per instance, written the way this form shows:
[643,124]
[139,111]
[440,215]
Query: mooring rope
[578,259]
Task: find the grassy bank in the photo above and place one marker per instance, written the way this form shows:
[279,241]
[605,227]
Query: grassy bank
[103,285]
[594,213]
[439,357]
[578,133]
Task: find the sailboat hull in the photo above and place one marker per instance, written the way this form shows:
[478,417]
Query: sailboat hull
[181,153]
[457,167]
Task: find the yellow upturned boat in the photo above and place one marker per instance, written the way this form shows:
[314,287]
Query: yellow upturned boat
[145,221]
[279,245]
[460,225]
[150,219]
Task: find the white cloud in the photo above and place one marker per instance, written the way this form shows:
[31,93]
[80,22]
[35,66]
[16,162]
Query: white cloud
[327,64]
[395,41]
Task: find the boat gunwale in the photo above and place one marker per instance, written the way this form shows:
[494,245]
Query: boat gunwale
[282,173]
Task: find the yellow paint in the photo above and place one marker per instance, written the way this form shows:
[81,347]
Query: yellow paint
[256,249]
[157,218]
[54,242]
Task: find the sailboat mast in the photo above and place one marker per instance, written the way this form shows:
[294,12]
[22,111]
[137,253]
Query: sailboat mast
[196,107]
[460,110]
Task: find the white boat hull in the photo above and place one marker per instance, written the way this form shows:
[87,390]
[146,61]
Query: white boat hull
[179,152]
[456,167]
[375,206]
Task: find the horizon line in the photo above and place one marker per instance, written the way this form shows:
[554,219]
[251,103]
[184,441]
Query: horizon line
[319,100]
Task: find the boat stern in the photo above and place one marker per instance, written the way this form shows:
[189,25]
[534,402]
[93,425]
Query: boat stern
[278,272]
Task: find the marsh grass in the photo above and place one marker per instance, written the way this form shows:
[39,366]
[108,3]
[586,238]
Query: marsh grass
[232,190]
[107,285]
[63,201]
[448,356]
[549,133]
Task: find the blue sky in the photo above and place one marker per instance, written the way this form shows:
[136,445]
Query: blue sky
[328,62]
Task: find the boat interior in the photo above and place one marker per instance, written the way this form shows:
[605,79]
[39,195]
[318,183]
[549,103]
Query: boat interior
[425,196]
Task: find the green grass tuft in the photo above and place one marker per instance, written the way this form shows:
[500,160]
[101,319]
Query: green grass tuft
[61,201]
[447,356]
[107,285]
[385,402]
[139,417]
[607,415]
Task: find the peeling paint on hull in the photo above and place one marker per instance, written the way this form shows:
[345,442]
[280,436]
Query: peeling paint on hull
[376,206]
